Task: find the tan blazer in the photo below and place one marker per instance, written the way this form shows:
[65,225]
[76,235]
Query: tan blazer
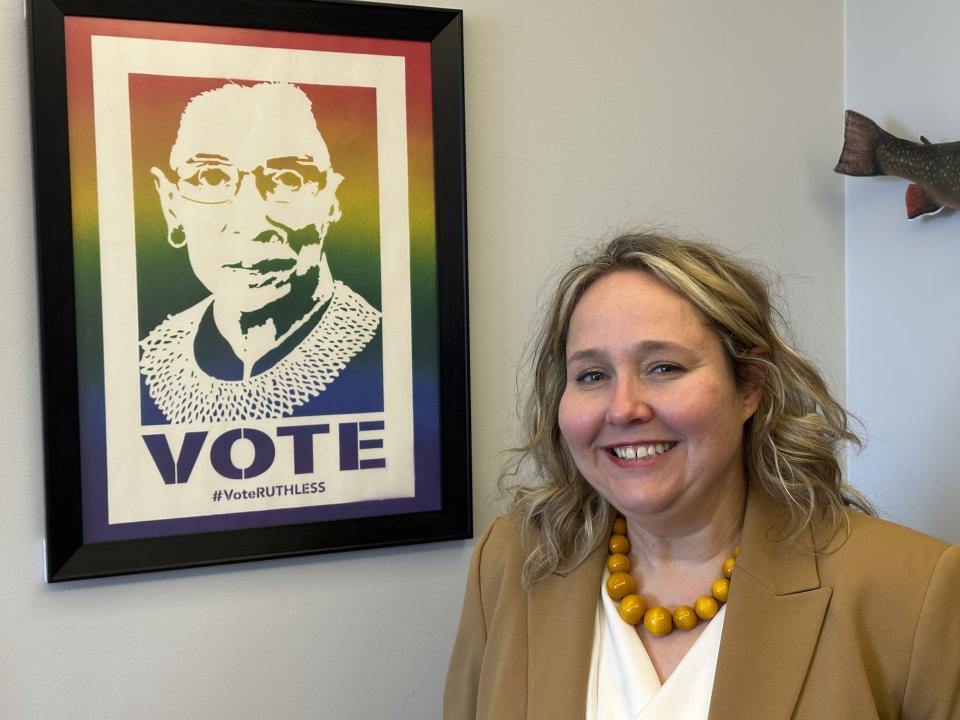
[870,629]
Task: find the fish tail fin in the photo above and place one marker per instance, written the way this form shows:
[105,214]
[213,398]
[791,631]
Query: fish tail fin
[859,154]
[919,203]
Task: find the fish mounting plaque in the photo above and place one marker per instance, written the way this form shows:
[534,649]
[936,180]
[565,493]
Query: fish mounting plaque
[933,169]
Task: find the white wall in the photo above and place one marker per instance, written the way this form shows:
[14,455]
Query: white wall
[582,118]
[903,278]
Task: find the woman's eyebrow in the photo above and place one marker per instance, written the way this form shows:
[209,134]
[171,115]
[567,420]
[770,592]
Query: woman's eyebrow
[582,355]
[290,160]
[651,346]
[643,348]
[205,157]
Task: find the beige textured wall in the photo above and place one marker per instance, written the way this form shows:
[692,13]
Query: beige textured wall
[717,118]
[582,118]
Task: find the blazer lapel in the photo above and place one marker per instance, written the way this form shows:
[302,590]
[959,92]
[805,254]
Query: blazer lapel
[561,617]
[774,614]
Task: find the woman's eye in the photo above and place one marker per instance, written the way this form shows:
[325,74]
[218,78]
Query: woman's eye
[210,185]
[289,179]
[665,369]
[589,377]
[212,177]
[285,185]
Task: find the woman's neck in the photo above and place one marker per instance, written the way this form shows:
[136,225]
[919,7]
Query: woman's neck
[675,559]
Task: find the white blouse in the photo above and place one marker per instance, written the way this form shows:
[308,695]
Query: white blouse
[624,684]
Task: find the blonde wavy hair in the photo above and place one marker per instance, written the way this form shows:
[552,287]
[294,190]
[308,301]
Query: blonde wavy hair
[791,444]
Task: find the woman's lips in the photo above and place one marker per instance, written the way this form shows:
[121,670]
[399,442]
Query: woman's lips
[272,271]
[265,267]
[640,451]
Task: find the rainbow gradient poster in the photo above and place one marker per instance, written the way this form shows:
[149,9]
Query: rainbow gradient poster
[255,277]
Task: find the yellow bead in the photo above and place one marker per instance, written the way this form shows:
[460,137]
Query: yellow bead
[706,607]
[618,562]
[632,608]
[720,589]
[736,551]
[620,584]
[728,566]
[619,544]
[658,621]
[685,618]
[620,526]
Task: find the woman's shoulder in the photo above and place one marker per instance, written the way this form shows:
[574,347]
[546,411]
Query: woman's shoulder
[502,542]
[504,529]
[868,532]
[497,564]
[873,548]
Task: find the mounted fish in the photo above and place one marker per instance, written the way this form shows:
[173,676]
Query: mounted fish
[933,169]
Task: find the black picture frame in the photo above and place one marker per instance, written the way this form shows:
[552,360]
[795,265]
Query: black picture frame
[70,554]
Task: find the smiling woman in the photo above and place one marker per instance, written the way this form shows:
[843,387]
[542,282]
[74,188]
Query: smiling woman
[672,426]
[653,417]
[252,203]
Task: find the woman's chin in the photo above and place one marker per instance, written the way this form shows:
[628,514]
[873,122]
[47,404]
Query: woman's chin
[651,500]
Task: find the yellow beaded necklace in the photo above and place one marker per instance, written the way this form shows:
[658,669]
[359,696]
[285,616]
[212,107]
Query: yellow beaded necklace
[658,620]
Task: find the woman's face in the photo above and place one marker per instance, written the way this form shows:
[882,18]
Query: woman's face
[651,413]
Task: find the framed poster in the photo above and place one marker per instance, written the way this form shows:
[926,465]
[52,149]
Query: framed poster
[251,261]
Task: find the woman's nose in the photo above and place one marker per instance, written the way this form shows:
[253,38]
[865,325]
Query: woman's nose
[248,211]
[628,403]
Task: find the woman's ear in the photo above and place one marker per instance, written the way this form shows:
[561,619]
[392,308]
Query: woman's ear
[167,192]
[752,377]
